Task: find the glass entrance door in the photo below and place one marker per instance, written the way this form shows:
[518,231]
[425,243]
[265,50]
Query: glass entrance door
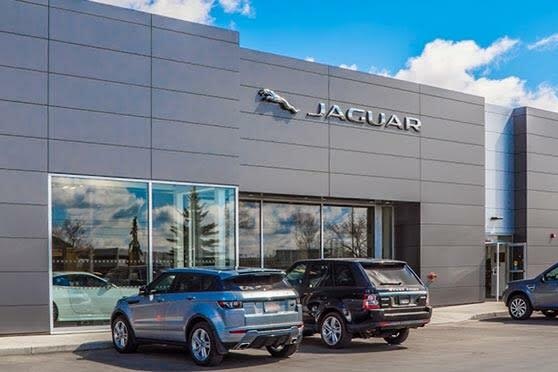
[516,261]
[505,262]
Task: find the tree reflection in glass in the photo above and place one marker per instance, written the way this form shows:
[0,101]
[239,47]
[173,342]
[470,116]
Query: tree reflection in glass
[291,232]
[348,232]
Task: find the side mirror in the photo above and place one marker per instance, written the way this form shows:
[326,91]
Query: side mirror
[143,290]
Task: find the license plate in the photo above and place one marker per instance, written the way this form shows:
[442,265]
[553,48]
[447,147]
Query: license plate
[404,300]
[272,307]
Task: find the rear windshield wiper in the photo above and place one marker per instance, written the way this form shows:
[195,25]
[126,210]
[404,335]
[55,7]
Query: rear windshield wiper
[393,283]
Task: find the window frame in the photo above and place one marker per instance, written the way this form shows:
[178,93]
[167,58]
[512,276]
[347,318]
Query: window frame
[329,280]
[351,268]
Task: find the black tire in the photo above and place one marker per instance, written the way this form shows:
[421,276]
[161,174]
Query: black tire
[520,307]
[123,337]
[397,338]
[550,314]
[54,312]
[333,331]
[205,354]
[283,351]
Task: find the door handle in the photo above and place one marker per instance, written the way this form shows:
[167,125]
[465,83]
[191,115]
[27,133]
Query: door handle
[190,298]
[323,298]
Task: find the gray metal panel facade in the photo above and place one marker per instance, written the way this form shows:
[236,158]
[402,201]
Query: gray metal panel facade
[536,200]
[442,168]
[98,90]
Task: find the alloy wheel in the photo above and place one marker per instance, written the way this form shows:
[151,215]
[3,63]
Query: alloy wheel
[518,307]
[331,330]
[201,344]
[120,333]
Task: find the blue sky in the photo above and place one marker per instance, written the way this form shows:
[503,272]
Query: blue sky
[484,47]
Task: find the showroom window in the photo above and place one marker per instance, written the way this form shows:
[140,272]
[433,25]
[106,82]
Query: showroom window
[348,232]
[100,240]
[284,232]
[249,234]
[291,232]
[193,226]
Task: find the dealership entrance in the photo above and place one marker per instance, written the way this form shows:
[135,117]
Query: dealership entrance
[505,262]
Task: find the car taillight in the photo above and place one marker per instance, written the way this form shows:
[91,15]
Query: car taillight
[370,302]
[230,304]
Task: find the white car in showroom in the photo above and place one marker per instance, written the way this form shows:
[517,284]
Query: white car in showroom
[82,296]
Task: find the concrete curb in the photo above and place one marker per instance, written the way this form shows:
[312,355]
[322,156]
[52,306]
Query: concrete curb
[488,316]
[32,350]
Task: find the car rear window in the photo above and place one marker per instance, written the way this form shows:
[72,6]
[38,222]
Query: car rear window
[390,275]
[256,282]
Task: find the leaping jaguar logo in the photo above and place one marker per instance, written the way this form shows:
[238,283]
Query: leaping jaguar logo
[270,96]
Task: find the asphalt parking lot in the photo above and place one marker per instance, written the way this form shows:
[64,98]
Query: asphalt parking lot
[495,345]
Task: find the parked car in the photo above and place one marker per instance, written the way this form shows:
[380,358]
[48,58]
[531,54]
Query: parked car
[212,311]
[346,298]
[82,296]
[540,293]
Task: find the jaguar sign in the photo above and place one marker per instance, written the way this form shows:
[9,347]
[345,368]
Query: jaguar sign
[351,114]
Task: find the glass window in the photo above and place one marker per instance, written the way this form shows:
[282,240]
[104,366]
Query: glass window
[318,275]
[552,275]
[296,275]
[163,283]
[193,283]
[249,234]
[348,232]
[193,226]
[99,228]
[259,282]
[343,275]
[390,275]
[291,233]
[387,232]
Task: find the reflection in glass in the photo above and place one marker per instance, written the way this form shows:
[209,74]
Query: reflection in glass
[99,246]
[193,226]
[249,233]
[387,232]
[348,231]
[291,232]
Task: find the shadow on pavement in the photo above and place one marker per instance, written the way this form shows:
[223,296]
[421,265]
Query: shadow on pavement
[535,320]
[314,345]
[170,358]
[174,358]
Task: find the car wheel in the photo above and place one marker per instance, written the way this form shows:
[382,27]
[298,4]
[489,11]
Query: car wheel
[202,345]
[520,308]
[123,337]
[282,351]
[334,331]
[54,312]
[397,338]
[550,313]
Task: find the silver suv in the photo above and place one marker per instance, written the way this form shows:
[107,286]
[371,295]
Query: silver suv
[540,293]
[212,311]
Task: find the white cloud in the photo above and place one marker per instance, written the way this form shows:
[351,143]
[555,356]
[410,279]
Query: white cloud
[310,59]
[237,6]
[452,65]
[549,42]
[189,10]
[353,67]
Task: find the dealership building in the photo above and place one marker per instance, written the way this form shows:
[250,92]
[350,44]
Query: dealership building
[131,143]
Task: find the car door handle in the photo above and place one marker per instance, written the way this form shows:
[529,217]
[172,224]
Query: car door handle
[190,298]
[323,298]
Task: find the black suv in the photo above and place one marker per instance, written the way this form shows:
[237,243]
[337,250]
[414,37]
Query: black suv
[346,298]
